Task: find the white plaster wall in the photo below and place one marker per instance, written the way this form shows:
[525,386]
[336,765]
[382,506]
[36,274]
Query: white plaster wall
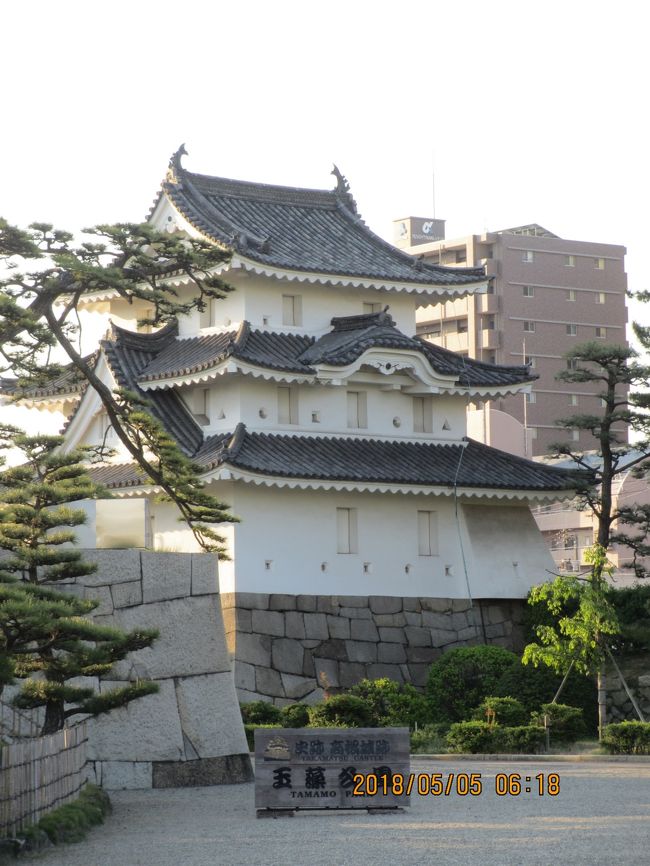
[295,530]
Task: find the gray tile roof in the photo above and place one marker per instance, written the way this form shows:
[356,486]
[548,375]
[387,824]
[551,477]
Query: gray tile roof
[299,229]
[68,383]
[343,459]
[350,337]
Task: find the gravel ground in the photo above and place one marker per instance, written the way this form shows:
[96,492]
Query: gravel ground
[601,816]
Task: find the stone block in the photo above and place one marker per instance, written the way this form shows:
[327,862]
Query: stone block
[279,601]
[458,605]
[355,612]
[414,605]
[442,637]
[392,635]
[350,673]
[422,654]
[417,675]
[148,729]
[644,681]
[125,775]
[245,697]
[494,630]
[244,676]
[296,687]
[316,626]
[417,636]
[327,604]
[393,653]
[127,594]
[458,621]
[191,641]
[268,622]
[101,594]
[437,620]
[327,673]
[333,649]
[310,644]
[307,602]
[294,624]
[385,604]
[393,619]
[361,629]
[252,600]
[361,651]
[223,770]
[287,656]
[468,633]
[205,574]
[497,613]
[254,649]
[339,626]
[165,575]
[353,600]
[113,566]
[393,672]
[268,682]
[412,618]
[308,667]
[238,620]
[315,697]
[437,605]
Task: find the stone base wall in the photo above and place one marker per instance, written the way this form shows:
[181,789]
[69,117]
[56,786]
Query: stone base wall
[191,732]
[619,706]
[287,648]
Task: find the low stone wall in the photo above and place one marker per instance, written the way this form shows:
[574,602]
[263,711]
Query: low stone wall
[287,648]
[619,706]
[191,732]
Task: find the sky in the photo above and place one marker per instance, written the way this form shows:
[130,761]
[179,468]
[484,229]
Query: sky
[523,112]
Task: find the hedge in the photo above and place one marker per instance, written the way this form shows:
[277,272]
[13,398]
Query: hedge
[506,711]
[627,738]
[480,737]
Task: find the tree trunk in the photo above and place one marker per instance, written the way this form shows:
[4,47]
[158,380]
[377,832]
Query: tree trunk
[54,718]
[602,699]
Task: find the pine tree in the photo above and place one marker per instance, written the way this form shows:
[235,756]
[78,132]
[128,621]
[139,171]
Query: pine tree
[46,638]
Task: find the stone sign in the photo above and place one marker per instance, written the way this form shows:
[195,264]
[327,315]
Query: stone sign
[329,768]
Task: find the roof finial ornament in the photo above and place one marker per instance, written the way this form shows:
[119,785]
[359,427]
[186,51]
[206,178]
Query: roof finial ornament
[175,168]
[343,189]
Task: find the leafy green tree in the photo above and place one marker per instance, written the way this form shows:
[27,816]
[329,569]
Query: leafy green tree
[46,274]
[46,638]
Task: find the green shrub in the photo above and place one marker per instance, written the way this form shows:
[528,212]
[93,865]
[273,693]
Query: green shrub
[519,740]
[470,737]
[392,704]
[70,822]
[295,716]
[632,606]
[249,730]
[627,738]
[536,686]
[429,739]
[461,678]
[566,723]
[342,711]
[504,711]
[260,713]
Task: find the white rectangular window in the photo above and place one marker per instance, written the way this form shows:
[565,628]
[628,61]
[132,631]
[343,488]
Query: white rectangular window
[572,364]
[573,399]
[527,256]
[205,316]
[528,291]
[575,435]
[291,309]
[531,397]
[346,530]
[601,333]
[599,264]
[201,406]
[572,330]
[571,295]
[357,409]
[569,261]
[367,308]
[529,327]
[428,533]
[600,298]
[422,415]
[287,405]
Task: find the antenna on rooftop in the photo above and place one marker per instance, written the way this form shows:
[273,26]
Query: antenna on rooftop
[433,182]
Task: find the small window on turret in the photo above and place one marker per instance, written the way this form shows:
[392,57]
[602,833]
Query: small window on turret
[422,415]
[367,309]
[292,309]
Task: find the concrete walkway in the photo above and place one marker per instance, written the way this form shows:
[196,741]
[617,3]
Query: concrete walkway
[601,817]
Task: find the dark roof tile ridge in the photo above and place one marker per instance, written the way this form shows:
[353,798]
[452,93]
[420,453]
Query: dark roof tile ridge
[138,340]
[241,336]
[515,458]
[237,440]
[247,189]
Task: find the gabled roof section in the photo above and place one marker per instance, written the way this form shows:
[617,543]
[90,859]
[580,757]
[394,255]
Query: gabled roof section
[297,229]
[69,383]
[127,354]
[343,459]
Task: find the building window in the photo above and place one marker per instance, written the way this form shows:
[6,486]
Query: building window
[528,256]
[422,415]
[528,291]
[600,298]
[572,330]
[205,316]
[572,364]
[575,435]
[287,405]
[346,530]
[533,432]
[573,399]
[462,326]
[571,295]
[461,256]
[428,533]
[201,406]
[569,261]
[292,309]
[357,409]
[531,397]
[367,308]
[529,327]
[601,333]
[530,360]
[599,264]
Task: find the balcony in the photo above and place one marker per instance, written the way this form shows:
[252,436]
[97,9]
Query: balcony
[490,339]
[491,267]
[487,304]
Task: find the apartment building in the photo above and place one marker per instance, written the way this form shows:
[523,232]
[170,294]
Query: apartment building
[546,295]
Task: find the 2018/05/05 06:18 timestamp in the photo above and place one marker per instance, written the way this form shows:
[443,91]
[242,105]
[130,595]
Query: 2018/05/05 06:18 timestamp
[462,784]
